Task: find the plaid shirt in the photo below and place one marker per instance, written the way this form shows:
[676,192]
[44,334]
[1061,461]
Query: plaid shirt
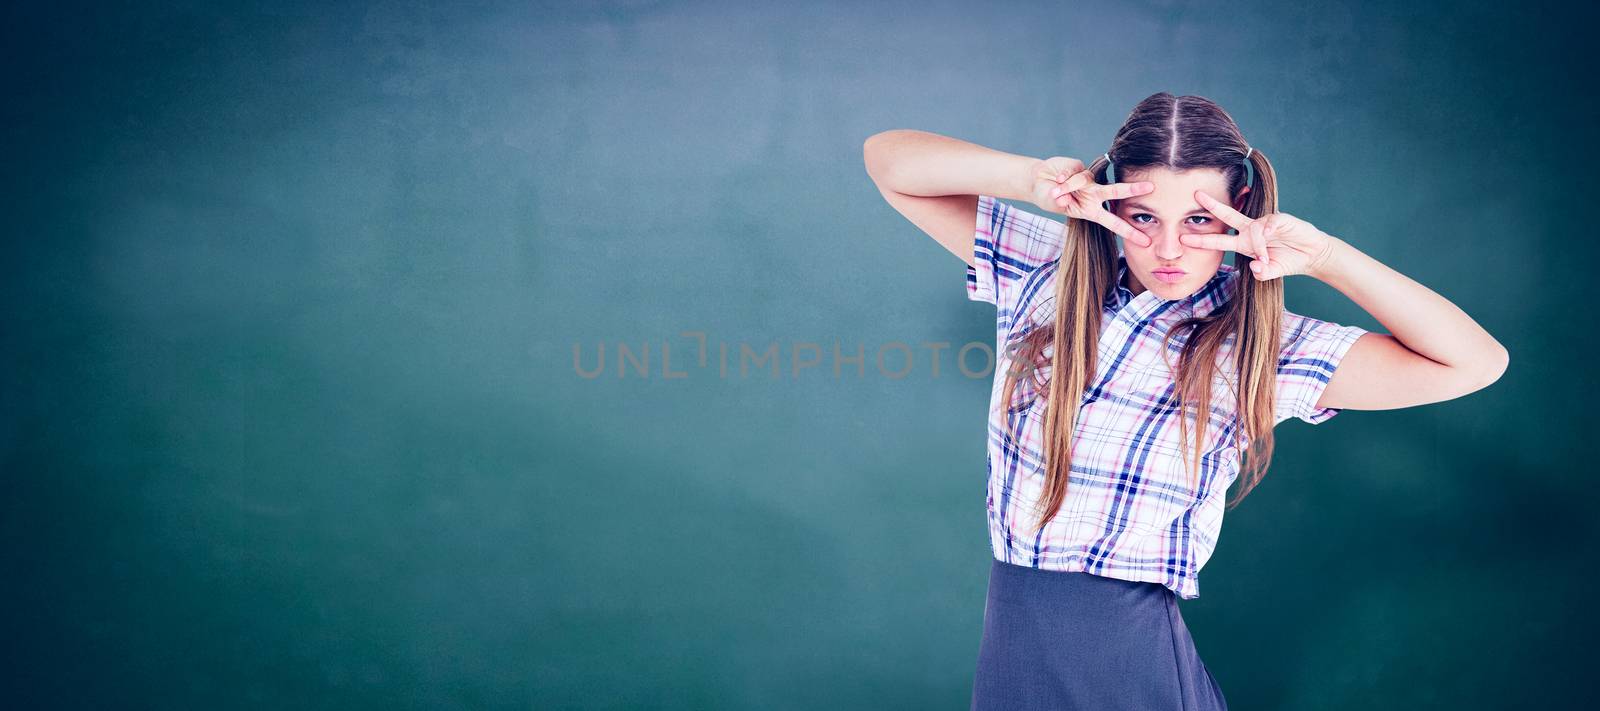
[1130,511]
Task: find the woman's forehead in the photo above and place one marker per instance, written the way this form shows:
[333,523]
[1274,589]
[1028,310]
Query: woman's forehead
[1175,189]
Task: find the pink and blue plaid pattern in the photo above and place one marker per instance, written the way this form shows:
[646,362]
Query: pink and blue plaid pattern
[1130,510]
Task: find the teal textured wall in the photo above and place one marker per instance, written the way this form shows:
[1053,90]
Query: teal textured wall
[291,295]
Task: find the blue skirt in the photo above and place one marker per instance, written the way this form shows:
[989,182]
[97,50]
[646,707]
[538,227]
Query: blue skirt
[1072,640]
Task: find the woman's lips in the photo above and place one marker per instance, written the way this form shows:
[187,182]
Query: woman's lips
[1170,277]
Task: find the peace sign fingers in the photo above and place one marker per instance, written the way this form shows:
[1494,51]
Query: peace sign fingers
[1251,243]
[1257,231]
[1080,197]
[1233,218]
[1217,241]
[1098,198]
[1117,225]
[1252,238]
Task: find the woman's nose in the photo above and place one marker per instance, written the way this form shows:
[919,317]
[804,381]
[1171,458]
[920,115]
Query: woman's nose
[1168,244]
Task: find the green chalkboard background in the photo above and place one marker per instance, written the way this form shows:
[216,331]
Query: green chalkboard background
[290,416]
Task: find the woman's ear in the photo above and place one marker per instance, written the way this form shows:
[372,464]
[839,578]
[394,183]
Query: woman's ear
[1238,202]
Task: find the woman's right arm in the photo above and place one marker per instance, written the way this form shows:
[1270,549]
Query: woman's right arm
[935,181]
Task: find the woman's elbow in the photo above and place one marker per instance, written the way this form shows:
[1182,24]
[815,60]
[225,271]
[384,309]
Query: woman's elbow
[1493,367]
[872,154]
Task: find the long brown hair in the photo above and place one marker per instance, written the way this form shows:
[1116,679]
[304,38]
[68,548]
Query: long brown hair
[1179,133]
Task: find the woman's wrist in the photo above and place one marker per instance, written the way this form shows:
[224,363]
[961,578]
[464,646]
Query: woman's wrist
[1325,267]
[1022,172]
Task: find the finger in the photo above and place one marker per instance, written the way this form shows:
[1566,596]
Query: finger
[1051,174]
[1264,272]
[1104,194]
[1119,191]
[1232,217]
[1212,241]
[1120,227]
[1078,180]
[1258,243]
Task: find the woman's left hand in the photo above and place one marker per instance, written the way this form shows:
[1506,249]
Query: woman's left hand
[1279,243]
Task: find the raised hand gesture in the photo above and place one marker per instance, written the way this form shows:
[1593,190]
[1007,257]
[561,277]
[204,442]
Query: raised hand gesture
[1280,243]
[1061,185]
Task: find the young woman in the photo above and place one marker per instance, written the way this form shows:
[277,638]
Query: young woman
[1175,367]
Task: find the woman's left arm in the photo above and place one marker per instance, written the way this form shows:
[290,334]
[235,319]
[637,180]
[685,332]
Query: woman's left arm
[1433,352]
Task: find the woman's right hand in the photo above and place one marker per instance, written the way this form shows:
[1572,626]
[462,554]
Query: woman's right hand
[1062,185]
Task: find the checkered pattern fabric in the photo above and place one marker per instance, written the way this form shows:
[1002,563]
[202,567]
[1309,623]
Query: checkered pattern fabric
[1130,511]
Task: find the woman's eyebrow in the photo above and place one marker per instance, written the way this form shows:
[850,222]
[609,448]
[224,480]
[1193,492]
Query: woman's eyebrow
[1141,206]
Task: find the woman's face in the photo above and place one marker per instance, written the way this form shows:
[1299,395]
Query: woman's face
[1163,215]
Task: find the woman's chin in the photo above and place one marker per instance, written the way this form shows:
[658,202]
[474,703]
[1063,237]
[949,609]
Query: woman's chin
[1172,292]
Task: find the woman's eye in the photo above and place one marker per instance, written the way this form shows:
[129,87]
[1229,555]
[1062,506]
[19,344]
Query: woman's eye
[1139,218]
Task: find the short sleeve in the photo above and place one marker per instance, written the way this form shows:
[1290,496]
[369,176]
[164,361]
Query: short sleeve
[1008,244]
[1311,352]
